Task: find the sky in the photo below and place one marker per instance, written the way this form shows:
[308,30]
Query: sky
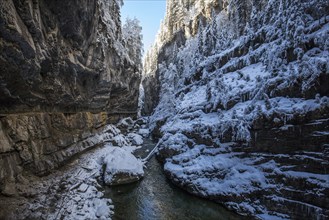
[149,13]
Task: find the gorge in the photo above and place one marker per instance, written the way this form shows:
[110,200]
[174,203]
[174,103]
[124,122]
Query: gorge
[235,95]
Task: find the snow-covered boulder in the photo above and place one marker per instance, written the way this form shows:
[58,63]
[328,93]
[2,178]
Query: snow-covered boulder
[144,132]
[142,121]
[120,140]
[122,167]
[126,123]
[135,139]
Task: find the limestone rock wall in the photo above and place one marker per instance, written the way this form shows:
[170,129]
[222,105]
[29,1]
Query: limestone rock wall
[64,73]
[64,56]
[37,143]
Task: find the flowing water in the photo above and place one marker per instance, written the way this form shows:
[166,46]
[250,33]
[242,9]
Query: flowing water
[155,198]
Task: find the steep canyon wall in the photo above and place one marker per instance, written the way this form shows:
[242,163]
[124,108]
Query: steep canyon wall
[64,73]
[239,100]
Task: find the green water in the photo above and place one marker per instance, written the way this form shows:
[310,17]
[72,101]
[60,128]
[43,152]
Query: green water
[155,198]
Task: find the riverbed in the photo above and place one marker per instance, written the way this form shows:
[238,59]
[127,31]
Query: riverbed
[154,197]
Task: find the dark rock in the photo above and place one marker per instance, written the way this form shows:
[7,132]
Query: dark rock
[62,78]
[124,178]
[151,90]
[53,59]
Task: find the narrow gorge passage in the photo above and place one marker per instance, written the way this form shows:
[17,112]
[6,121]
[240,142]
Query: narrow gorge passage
[156,198]
[234,94]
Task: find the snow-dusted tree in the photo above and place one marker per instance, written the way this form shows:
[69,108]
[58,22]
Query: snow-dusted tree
[132,34]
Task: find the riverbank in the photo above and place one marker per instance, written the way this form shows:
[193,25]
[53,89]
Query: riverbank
[77,190]
[155,197]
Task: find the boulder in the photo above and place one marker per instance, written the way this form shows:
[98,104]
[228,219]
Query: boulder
[122,167]
[135,139]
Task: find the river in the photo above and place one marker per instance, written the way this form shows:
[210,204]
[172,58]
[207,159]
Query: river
[155,198]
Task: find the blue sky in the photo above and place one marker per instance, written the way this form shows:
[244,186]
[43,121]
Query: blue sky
[149,13]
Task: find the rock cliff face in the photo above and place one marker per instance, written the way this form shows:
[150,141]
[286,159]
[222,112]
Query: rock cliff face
[37,143]
[64,56]
[64,73]
[241,103]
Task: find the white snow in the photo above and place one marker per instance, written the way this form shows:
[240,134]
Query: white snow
[120,140]
[233,176]
[193,99]
[76,186]
[135,139]
[125,123]
[144,132]
[215,89]
[119,161]
[272,217]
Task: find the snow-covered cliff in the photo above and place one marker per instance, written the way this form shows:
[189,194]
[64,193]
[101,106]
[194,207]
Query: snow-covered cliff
[240,90]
